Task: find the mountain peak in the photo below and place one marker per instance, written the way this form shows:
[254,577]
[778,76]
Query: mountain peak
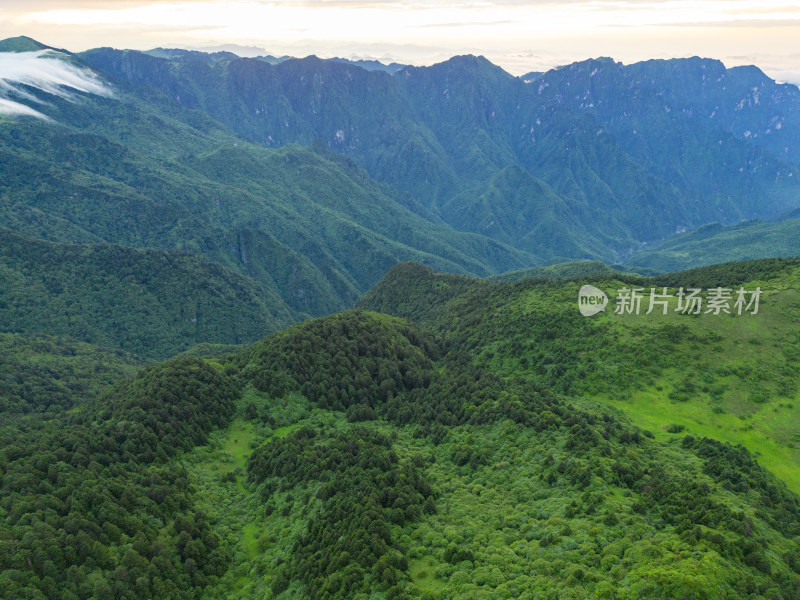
[467,59]
[22,43]
[463,65]
[682,66]
[590,63]
[750,74]
[191,55]
[470,61]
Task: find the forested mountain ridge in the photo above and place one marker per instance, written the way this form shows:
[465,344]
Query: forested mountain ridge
[309,225]
[729,376]
[714,243]
[549,169]
[694,143]
[765,113]
[150,303]
[358,454]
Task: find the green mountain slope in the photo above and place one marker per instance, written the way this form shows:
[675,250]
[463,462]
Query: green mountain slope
[565,270]
[150,303]
[360,455]
[714,243]
[110,496]
[524,212]
[731,377]
[46,374]
[311,227]
[21,44]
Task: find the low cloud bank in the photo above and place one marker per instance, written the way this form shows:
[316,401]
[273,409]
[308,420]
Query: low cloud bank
[45,70]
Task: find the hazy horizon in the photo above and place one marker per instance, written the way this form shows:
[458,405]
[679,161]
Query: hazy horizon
[518,36]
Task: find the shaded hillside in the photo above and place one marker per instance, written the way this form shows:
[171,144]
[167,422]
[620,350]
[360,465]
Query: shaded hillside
[310,226]
[150,303]
[566,270]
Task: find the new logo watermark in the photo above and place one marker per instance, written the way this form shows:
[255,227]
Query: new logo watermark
[630,301]
[591,300]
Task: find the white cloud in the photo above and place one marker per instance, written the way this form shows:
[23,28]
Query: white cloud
[44,70]
[9,107]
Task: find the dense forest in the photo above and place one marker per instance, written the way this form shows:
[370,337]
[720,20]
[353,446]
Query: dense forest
[472,453]
[92,506]
[49,374]
[153,304]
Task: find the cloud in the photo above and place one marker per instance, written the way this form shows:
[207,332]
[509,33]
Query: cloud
[9,107]
[44,70]
[739,23]
[467,24]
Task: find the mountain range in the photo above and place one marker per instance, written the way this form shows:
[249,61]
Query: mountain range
[308,329]
[694,143]
[313,177]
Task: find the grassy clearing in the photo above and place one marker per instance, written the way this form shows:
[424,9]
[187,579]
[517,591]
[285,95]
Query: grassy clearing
[730,377]
[232,504]
[282,432]
[423,574]
[655,412]
[255,542]
[238,440]
[738,386]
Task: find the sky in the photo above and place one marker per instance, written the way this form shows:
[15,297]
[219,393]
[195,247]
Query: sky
[519,36]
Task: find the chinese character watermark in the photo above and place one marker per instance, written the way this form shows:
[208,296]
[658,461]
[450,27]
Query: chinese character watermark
[631,301]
